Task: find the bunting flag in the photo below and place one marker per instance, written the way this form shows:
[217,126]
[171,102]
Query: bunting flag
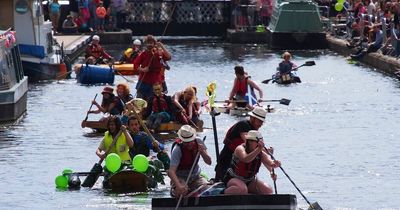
[250,96]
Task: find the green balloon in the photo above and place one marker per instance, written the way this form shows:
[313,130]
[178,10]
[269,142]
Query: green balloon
[113,162]
[140,163]
[61,181]
[338,7]
[67,171]
[340,1]
[204,175]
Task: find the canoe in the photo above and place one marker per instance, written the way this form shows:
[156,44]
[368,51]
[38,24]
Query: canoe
[280,201]
[126,181]
[239,111]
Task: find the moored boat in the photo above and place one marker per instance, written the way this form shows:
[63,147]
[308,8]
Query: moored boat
[280,201]
[13,83]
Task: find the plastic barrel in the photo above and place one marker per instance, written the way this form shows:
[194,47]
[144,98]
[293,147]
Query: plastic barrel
[92,74]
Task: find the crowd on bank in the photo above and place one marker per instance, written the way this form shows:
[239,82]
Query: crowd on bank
[88,15]
[370,25]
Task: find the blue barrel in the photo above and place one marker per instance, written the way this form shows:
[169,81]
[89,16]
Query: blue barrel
[92,74]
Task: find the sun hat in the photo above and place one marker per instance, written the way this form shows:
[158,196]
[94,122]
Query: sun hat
[107,89]
[253,135]
[186,133]
[259,113]
[95,37]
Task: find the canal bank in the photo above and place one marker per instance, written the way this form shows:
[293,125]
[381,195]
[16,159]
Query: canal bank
[382,63]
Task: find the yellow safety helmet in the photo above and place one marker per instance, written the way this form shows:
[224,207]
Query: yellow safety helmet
[128,52]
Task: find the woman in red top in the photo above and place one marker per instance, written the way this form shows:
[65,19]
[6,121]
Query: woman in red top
[149,64]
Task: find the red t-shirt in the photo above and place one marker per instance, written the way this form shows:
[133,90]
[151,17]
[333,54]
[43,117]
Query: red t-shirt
[155,74]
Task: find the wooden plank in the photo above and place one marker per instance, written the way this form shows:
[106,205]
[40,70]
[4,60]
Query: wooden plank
[128,181]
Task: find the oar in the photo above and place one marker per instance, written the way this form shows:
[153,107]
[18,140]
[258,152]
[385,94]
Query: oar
[307,63]
[96,170]
[145,128]
[313,206]
[283,101]
[190,174]
[87,114]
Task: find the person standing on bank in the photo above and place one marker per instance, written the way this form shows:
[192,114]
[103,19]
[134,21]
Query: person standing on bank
[241,177]
[183,155]
[235,137]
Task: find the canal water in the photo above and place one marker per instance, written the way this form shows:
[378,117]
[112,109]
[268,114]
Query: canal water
[338,139]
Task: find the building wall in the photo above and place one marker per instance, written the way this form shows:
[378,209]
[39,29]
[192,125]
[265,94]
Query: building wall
[6,14]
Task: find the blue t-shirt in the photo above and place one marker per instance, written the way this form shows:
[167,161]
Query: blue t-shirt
[54,8]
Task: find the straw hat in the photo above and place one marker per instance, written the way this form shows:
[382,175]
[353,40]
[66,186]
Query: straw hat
[186,133]
[259,113]
[253,135]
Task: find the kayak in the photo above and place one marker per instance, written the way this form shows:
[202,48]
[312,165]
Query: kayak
[239,111]
[280,201]
[286,78]
[126,181]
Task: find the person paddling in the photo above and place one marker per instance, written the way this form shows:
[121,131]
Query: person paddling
[95,52]
[235,137]
[241,177]
[285,67]
[124,93]
[187,108]
[110,103]
[183,155]
[243,88]
[131,53]
[124,141]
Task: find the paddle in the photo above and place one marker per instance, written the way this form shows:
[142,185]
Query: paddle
[87,114]
[313,206]
[307,63]
[283,101]
[190,173]
[96,170]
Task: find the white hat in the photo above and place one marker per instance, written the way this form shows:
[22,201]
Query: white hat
[137,42]
[95,37]
[186,133]
[253,135]
[259,113]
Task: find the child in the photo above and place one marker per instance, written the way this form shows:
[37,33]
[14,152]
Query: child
[101,14]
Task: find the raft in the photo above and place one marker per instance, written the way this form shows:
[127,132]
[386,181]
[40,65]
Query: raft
[280,201]
[126,181]
[92,74]
[239,111]
[166,130]
[124,69]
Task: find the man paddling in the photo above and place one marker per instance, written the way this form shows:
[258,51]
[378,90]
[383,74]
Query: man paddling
[241,177]
[94,51]
[183,156]
[242,89]
[235,137]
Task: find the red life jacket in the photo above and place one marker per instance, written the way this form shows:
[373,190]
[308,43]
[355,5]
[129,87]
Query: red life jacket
[188,155]
[232,143]
[95,51]
[241,87]
[246,170]
[159,104]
